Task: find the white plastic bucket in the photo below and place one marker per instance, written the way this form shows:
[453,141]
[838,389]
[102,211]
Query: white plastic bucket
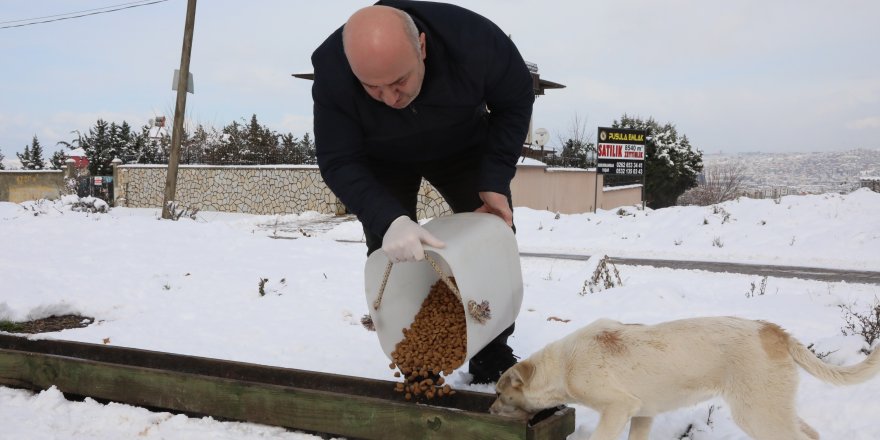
[481,254]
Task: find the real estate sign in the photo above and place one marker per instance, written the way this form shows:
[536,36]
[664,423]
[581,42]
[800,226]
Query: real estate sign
[621,151]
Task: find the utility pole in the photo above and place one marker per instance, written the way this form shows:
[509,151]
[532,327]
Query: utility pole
[179,110]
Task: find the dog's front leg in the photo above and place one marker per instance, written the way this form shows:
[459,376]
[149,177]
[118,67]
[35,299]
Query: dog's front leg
[612,420]
[640,427]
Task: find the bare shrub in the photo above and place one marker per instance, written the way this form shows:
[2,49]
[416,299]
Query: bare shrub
[721,182]
[751,293]
[177,211]
[606,276]
[867,326]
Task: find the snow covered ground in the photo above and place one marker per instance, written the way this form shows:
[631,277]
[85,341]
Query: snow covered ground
[192,287]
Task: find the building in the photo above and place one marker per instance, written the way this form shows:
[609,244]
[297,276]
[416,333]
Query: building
[870,182]
[80,161]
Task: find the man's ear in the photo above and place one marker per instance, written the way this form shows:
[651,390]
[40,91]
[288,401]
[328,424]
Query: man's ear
[521,373]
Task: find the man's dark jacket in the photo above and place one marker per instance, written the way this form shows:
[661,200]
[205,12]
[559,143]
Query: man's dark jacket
[470,66]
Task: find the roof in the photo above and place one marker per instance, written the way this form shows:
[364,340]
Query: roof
[76,152]
[540,84]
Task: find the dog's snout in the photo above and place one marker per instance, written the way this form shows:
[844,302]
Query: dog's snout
[494,408]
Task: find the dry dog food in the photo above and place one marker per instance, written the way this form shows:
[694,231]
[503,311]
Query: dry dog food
[435,342]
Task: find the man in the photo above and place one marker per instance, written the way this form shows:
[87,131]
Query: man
[407,90]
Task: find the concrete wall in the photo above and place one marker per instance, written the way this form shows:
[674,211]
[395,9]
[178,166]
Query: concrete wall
[568,190]
[628,195]
[286,189]
[19,186]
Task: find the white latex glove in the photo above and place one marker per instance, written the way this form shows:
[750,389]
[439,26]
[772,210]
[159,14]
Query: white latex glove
[404,238]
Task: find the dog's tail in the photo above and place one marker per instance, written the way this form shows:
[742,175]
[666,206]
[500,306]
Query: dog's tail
[837,375]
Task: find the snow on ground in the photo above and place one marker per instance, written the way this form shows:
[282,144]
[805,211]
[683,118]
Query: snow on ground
[192,287]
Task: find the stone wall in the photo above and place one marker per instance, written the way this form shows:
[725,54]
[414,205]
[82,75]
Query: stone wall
[19,186]
[293,189]
[282,189]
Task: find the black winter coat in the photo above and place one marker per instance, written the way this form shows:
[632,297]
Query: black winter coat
[477,94]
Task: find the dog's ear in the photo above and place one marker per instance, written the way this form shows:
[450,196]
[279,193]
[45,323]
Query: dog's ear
[521,373]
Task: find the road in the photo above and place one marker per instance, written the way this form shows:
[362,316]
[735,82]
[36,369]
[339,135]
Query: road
[809,273]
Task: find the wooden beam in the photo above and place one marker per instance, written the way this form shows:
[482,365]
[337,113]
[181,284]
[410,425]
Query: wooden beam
[295,399]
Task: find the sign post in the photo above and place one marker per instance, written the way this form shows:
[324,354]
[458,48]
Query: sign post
[621,151]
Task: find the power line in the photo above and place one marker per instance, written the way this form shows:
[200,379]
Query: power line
[70,13]
[84,13]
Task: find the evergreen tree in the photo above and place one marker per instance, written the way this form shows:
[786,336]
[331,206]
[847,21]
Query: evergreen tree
[120,137]
[671,164]
[289,146]
[260,144]
[229,146]
[25,157]
[58,159]
[2,167]
[307,151]
[147,149]
[37,161]
[99,148]
[126,142]
[574,153]
[135,150]
[125,134]
[196,146]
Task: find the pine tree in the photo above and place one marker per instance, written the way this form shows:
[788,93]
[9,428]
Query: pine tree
[99,148]
[58,159]
[260,144]
[146,149]
[289,149]
[574,153]
[2,167]
[671,164]
[37,162]
[196,146]
[307,149]
[125,141]
[228,149]
[25,157]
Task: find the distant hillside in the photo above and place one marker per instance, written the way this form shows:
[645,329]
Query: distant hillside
[808,173]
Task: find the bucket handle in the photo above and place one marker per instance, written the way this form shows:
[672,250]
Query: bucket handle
[479,311]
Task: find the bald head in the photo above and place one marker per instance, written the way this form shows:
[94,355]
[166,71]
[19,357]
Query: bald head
[386,54]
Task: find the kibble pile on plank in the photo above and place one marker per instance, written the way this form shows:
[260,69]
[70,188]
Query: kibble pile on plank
[435,343]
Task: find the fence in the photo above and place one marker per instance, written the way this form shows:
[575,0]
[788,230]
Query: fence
[95,186]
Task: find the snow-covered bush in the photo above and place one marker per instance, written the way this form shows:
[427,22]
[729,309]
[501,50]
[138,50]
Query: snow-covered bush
[90,204]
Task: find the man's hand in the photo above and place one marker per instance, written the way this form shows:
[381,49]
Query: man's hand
[404,238]
[495,203]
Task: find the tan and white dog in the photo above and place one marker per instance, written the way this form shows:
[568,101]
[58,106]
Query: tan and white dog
[631,371]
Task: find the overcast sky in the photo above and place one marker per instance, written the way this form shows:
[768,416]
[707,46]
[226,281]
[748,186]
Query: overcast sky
[746,75]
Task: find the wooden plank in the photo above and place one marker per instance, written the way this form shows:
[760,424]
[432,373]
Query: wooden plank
[292,407]
[462,400]
[557,426]
[310,410]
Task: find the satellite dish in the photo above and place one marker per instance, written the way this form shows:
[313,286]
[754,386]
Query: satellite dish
[541,136]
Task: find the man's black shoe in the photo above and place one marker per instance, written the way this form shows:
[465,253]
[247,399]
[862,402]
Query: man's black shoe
[488,365]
